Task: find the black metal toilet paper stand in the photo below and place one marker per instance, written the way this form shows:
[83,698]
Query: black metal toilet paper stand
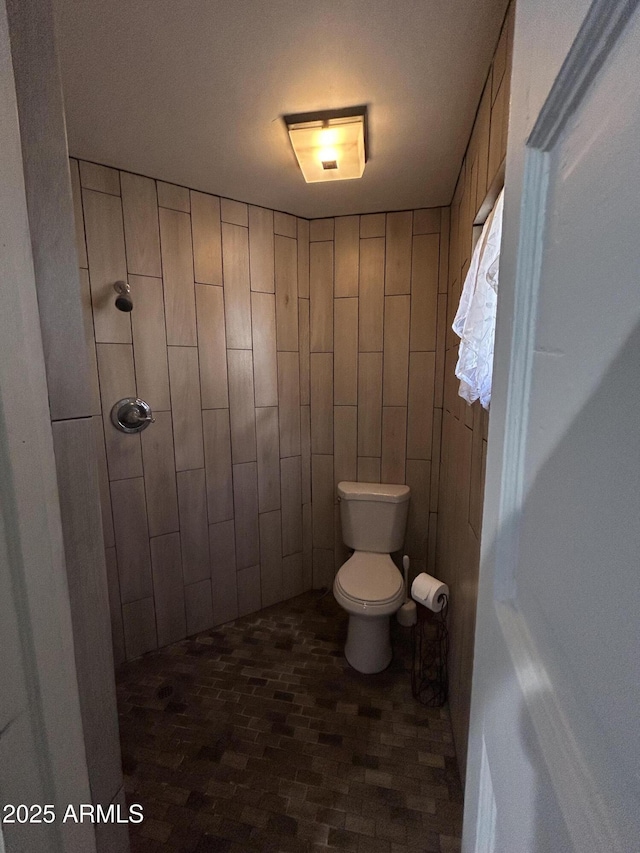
[430,647]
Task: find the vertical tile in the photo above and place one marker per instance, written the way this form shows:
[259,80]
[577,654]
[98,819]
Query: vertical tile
[265,365]
[140,211]
[373,225]
[103,482]
[347,248]
[321,291]
[234,212]
[303,327]
[217,451]
[168,588]
[78,216]
[443,267]
[291,487]
[115,607]
[371,306]
[346,443]
[440,350]
[177,267]
[198,606]
[420,425]
[320,229]
[289,398]
[268,458]
[100,178]
[132,539]
[323,568]
[286,264]
[305,452]
[369,403]
[341,552]
[323,498]
[432,542]
[368,469]
[270,557]
[76,475]
[107,264]
[303,258]
[396,350]
[87,318]
[139,618]
[284,224]
[394,440]
[212,349]
[207,238]
[436,443]
[186,407]
[477,467]
[292,576]
[397,279]
[224,590]
[150,342]
[426,221]
[261,249]
[173,196]
[424,291]
[241,406]
[249,600]
[321,402]
[237,293]
[159,475]
[345,390]
[307,548]
[117,380]
[194,526]
[245,502]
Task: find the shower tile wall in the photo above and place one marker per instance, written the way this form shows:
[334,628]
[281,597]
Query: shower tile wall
[465,428]
[280,356]
[207,513]
[377,337]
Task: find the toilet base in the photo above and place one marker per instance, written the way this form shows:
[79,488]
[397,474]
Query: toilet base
[368,647]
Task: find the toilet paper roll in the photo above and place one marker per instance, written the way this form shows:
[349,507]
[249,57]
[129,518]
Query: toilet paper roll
[427,590]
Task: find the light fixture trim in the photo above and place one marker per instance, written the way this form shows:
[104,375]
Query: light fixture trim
[330,145]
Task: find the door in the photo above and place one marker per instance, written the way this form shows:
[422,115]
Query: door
[554,751]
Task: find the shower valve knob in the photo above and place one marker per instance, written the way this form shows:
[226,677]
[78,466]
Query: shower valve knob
[131,415]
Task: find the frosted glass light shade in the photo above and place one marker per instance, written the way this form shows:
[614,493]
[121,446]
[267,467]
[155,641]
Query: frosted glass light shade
[329,150]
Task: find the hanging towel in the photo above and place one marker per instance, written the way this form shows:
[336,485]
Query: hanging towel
[475,321]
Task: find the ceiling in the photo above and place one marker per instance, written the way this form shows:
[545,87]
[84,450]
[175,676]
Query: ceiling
[193,92]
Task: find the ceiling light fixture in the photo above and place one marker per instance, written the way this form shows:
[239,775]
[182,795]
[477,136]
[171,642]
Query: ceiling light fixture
[329,145]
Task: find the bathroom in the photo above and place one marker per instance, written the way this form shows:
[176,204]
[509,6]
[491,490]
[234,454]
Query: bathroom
[286,337]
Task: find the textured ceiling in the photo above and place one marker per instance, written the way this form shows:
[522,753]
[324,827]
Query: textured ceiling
[193,92]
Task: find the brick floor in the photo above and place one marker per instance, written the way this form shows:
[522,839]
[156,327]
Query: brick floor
[258,736]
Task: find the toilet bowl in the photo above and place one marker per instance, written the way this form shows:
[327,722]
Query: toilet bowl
[369,586]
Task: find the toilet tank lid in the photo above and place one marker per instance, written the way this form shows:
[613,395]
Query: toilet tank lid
[373,492]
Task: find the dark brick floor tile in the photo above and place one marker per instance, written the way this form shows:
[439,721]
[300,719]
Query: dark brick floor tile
[261,726]
[213,844]
[342,839]
[281,824]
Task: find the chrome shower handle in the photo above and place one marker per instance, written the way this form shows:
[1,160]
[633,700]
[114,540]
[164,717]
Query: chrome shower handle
[131,415]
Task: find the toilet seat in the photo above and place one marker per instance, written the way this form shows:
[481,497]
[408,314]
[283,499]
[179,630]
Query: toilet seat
[369,583]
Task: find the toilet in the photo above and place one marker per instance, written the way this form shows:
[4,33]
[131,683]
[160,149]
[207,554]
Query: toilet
[369,586]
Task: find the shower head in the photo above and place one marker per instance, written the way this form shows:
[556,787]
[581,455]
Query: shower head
[123,299]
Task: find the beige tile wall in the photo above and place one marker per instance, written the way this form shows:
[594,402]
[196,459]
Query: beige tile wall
[206,514]
[376,360]
[464,428]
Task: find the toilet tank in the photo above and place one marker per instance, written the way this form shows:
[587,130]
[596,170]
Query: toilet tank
[373,515]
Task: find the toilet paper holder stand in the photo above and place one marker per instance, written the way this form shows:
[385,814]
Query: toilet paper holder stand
[430,646]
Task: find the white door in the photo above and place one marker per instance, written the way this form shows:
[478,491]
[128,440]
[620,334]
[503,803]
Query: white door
[554,750]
